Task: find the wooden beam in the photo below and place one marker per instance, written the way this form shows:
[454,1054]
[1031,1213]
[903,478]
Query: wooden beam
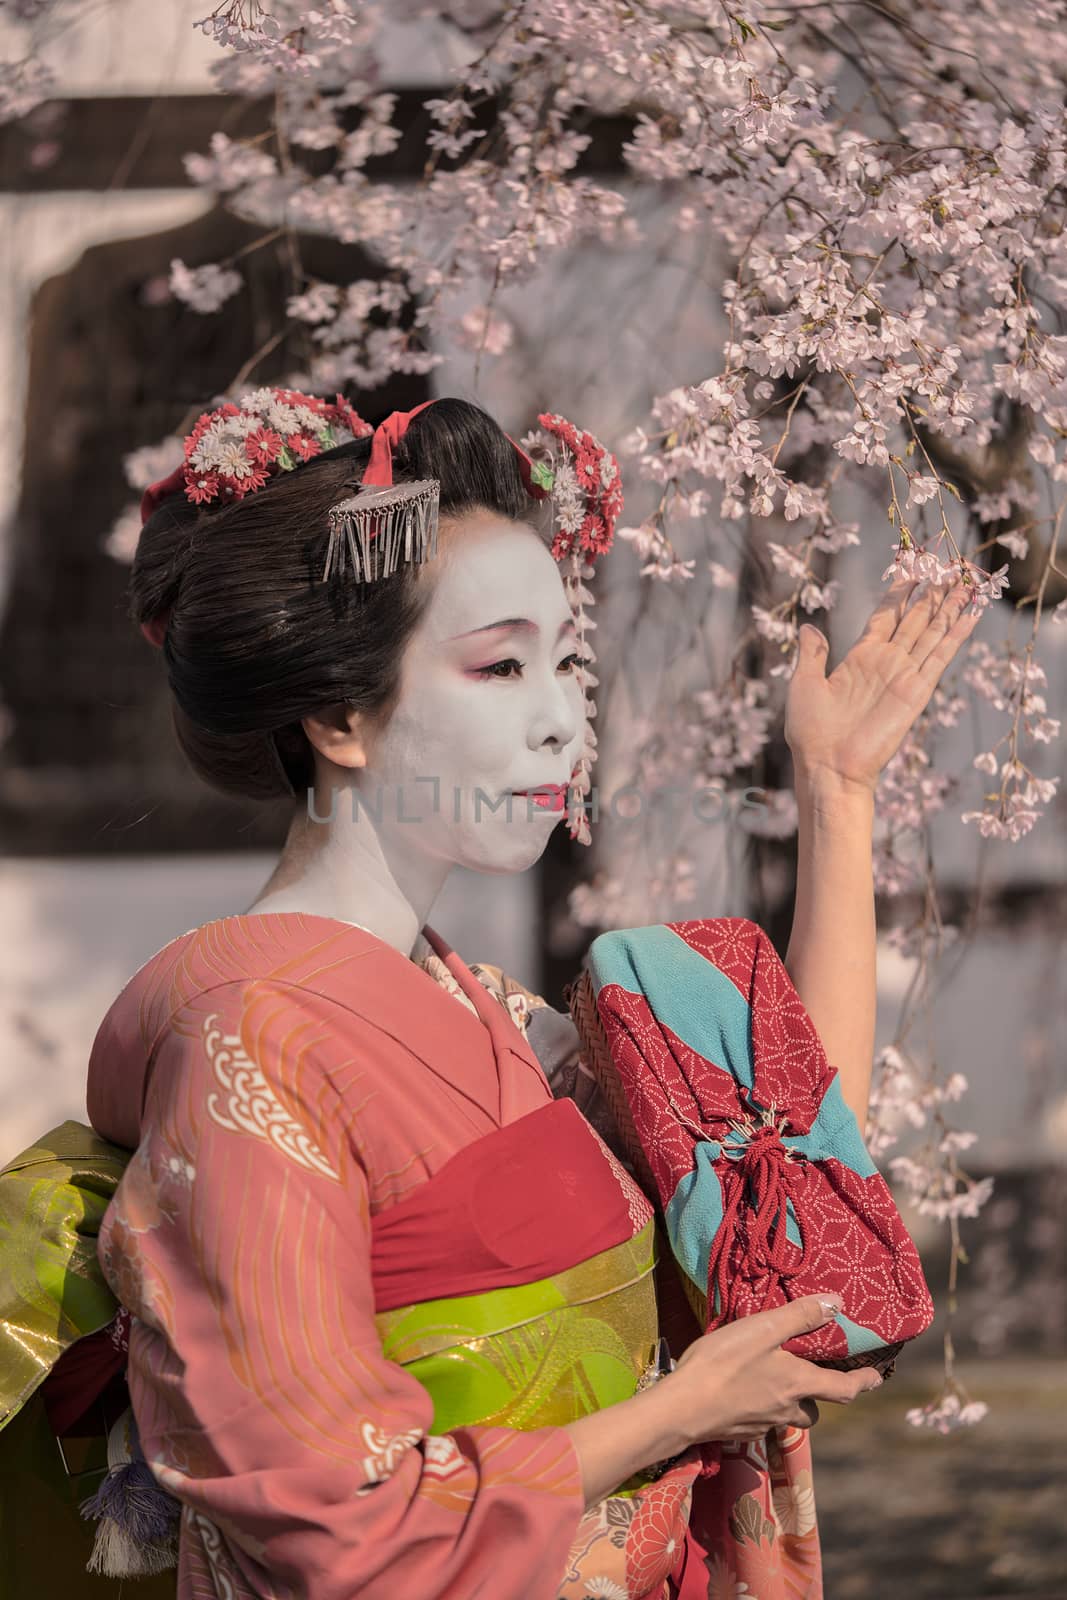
[119,142]
[102,142]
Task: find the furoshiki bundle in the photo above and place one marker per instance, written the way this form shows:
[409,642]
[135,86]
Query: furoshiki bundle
[736,1126]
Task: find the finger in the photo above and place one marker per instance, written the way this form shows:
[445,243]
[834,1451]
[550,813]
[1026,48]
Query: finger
[885,617]
[809,1411]
[825,1383]
[814,647]
[918,617]
[940,610]
[959,623]
[799,1414]
[811,1311]
[803,1413]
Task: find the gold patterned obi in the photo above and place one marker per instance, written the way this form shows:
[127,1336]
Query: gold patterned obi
[535,1354]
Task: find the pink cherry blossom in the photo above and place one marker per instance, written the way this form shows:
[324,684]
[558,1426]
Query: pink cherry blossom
[204,289]
[947,1413]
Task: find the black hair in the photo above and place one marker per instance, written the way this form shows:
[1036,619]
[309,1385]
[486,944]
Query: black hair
[256,640]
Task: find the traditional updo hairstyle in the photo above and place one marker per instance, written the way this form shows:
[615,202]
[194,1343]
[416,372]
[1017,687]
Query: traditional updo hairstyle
[256,640]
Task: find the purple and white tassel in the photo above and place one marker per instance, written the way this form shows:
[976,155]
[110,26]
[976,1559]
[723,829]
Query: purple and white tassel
[137,1533]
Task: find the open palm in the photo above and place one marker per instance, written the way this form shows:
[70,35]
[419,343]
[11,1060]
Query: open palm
[851,723]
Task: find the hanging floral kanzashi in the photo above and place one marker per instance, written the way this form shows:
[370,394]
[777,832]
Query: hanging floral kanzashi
[582,478]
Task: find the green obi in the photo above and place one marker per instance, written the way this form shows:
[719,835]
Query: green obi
[539,1355]
[52,1291]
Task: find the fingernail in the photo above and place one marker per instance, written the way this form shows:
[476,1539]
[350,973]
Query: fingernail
[831,1304]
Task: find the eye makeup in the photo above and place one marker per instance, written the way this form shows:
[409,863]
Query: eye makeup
[490,670]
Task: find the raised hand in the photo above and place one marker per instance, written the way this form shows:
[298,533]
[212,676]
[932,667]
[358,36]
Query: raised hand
[850,724]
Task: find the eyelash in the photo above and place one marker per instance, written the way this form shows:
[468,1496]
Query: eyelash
[510,661]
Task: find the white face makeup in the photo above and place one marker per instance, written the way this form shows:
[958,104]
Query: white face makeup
[484,712]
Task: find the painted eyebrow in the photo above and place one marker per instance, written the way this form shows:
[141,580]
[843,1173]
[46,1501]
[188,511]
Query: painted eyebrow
[514,625]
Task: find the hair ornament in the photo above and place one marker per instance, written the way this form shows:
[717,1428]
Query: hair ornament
[381,527]
[236,448]
[384,523]
[581,477]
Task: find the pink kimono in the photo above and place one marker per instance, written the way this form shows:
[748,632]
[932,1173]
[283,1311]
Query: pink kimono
[287,1079]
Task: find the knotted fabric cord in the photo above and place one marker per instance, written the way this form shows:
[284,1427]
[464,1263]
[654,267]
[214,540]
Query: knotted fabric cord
[761,1167]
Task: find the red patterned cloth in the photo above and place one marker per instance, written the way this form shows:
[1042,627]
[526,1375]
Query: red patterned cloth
[730,1109]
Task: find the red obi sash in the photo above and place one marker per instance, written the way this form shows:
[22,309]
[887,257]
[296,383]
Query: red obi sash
[522,1203]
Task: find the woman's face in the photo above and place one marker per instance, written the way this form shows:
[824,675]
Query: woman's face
[489,706]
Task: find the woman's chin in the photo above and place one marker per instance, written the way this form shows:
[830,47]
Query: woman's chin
[515,849]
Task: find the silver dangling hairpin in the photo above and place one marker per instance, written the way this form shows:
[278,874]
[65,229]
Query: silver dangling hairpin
[380,526]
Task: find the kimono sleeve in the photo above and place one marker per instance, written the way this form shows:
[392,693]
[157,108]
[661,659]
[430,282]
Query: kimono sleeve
[240,1240]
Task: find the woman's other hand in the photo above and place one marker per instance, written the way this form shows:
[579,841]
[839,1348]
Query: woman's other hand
[737,1382]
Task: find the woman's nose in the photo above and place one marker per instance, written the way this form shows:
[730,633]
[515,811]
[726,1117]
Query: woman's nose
[558,719]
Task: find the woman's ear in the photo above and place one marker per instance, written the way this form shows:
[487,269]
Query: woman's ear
[340,734]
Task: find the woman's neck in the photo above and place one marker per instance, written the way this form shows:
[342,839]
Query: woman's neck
[347,877]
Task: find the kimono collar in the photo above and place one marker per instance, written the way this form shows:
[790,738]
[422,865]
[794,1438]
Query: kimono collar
[503,1031]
